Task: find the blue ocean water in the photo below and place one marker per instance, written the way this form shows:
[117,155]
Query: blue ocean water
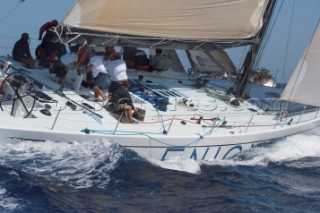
[96,176]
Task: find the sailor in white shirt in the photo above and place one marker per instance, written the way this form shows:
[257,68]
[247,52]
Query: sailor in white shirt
[120,102]
[117,69]
[62,65]
[99,73]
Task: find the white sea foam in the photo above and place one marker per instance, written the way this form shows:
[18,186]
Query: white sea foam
[85,164]
[294,148]
[7,203]
[178,164]
[79,164]
[2,191]
[286,150]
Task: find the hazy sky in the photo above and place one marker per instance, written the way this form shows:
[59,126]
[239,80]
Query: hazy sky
[285,44]
[18,16]
[292,32]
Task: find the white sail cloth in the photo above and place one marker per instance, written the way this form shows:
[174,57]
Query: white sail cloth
[176,19]
[303,86]
[214,61]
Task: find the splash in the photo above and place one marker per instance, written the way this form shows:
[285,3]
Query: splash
[289,149]
[81,165]
[185,165]
[7,203]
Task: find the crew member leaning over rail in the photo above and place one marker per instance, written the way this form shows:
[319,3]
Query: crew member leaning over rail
[120,101]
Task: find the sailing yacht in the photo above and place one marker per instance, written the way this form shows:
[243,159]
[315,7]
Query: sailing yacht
[185,116]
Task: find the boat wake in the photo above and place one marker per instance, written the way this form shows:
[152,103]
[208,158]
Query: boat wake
[288,151]
[190,166]
[6,202]
[80,165]
[47,168]
[88,164]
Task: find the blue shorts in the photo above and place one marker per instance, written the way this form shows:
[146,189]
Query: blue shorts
[101,80]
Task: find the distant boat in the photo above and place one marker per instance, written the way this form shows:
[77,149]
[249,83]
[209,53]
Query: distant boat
[185,116]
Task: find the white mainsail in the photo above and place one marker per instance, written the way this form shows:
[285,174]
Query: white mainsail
[176,19]
[303,86]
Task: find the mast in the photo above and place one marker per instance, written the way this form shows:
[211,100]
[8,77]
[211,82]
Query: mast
[247,66]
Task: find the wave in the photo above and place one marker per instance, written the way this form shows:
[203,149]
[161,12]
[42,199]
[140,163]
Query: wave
[189,165]
[80,165]
[87,164]
[286,151]
[7,203]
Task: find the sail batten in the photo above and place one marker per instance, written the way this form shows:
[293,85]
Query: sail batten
[174,19]
[304,82]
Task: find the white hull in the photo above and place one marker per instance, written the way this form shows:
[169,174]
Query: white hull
[209,148]
[224,129]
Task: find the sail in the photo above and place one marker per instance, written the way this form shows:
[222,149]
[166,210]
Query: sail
[214,61]
[303,86]
[182,20]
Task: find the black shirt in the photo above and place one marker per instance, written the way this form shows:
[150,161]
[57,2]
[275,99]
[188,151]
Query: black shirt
[21,50]
[120,94]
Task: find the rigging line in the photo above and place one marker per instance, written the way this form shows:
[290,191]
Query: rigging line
[132,39]
[66,30]
[22,71]
[11,11]
[114,40]
[55,30]
[160,42]
[199,45]
[268,36]
[148,134]
[192,142]
[289,36]
[8,37]
[162,122]
[119,132]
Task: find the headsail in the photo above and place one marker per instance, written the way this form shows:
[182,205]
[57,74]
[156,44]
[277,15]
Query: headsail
[186,24]
[303,86]
[215,61]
